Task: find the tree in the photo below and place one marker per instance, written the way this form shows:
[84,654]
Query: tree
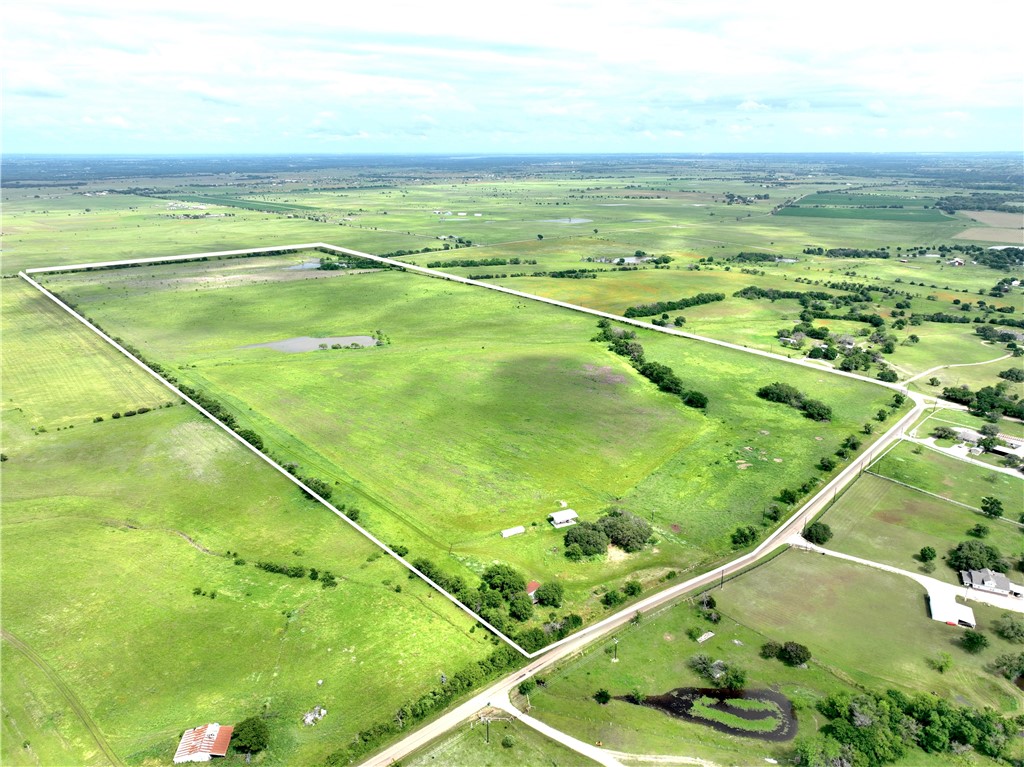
[991,507]
[1010,627]
[978,531]
[590,538]
[627,531]
[550,594]
[504,579]
[817,411]
[794,654]
[933,381]
[1009,665]
[975,555]
[602,696]
[818,532]
[733,678]
[633,588]
[827,463]
[942,662]
[251,735]
[743,535]
[521,607]
[927,554]
[973,641]
[540,236]
[770,649]
[637,696]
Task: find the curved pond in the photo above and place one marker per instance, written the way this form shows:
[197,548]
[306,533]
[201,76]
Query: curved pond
[747,713]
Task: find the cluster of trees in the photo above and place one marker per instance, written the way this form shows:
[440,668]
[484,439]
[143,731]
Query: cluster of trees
[818,533]
[326,577]
[335,263]
[976,555]
[789,395]
[754,257]
[987,401]
[790,653]
[723,675]
[618,526]
[624,343]
[413,711]
[872,729]
[660,307]
[855,253]
[1005,201]
[478,262]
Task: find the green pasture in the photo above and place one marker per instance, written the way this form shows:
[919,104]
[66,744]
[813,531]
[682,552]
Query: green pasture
[130,516]
[950,477]
[483,413]
[468,747]
[880,199]
[879,520]
[842,612]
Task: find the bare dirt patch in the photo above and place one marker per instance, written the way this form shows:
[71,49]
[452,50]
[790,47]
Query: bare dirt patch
[998,218]
[615,554]
[1002,236]
[603,374]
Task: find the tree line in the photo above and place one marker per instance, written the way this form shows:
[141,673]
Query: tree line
[660,307]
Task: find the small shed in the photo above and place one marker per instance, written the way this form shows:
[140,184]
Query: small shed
[513,531]
[565,518]
[531,590]
[945,608]
[201,744]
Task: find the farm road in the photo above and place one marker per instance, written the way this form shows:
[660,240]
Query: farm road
[66,692]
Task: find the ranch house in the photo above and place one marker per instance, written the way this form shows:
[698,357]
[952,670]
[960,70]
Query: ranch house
[990,581]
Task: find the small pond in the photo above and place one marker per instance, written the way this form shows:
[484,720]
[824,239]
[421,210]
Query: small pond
[728,710]
[308,344]
[314,264]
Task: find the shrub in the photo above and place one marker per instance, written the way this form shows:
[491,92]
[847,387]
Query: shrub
[978,531]
[98,419]
[744,535]
[827,463]
[770,649]
[793,654]
[927,554]
[613,598]
[973,641]
[602,696]
[508,741]
[633,588]
[1010,627]
[818,532]
[527,686]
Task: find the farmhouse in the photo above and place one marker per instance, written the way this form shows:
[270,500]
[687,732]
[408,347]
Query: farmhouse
[203,743]
[564,518]
[990,581]
[945,608]
[969,435]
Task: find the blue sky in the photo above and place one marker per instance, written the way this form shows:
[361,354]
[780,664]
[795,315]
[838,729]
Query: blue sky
[122,76]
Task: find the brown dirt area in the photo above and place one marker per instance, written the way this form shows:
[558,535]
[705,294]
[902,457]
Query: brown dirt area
[1001,236]
[997,218]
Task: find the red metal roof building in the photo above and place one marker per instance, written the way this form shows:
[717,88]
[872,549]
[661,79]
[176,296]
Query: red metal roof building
[203,743]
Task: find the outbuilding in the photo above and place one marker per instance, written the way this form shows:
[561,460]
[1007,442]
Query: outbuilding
[201,744]
[945,608]
[513,531]
[565,518]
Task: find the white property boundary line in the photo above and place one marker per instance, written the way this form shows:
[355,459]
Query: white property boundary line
[805,512]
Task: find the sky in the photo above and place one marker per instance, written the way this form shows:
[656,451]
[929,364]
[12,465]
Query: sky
[559,76]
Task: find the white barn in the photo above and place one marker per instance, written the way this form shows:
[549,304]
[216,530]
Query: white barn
[564,518]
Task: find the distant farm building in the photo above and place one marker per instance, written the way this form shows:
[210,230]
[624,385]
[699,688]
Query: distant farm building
[513,531]
[969,435]
[531,589]
[564,518]
[203,743]
[945,608]
[990,581]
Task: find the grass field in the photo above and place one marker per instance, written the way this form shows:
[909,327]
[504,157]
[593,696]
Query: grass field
[468,747]
[949,477]
[874,214]
[98,579]
[844,613]
[483,412]
[879,520]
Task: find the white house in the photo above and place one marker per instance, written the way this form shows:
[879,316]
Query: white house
[990,581]
[565,518]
